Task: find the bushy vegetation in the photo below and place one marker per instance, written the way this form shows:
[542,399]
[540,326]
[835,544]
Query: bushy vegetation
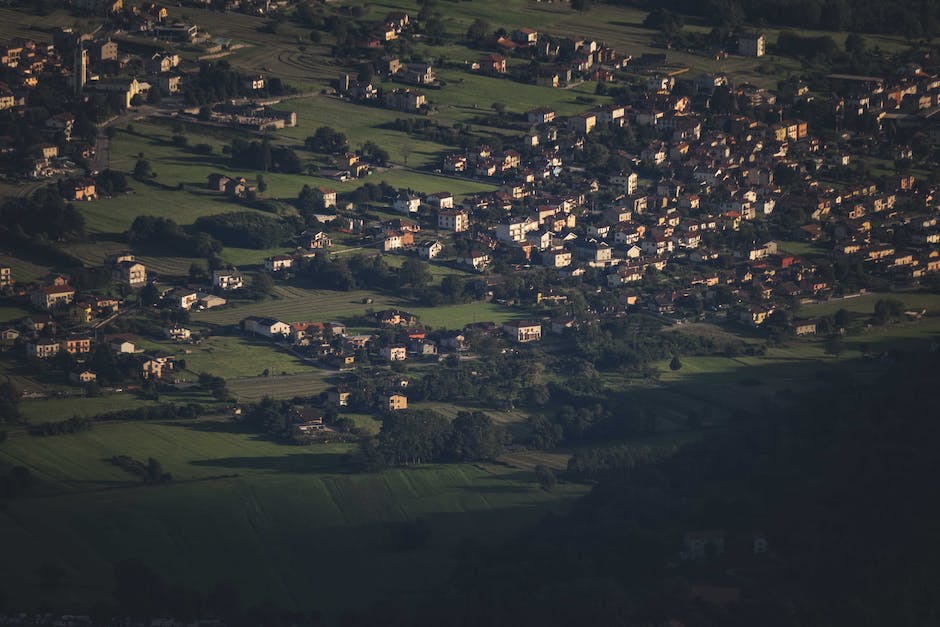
[149,230]
[44,215]
[424,436]
[244,229]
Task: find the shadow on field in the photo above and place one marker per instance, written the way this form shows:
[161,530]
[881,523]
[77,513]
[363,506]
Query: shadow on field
[293,463]
[502,489]
[219,426]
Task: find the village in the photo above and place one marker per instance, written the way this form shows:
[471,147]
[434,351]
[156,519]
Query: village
[672,202]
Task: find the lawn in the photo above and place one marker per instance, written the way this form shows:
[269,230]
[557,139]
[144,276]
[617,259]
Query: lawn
[291,527]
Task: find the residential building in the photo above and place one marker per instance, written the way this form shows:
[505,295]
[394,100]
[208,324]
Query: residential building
[751,44]
[228,279]
[130,273]
[52,296]
[182,298]
[456,220]
[430,249]
[523,331]
[277,263]
[393,352]
[396,402]
[43,348]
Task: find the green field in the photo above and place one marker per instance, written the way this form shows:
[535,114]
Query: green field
[237,357]
[280,386]
[294,304]
[866,304]
[289,528]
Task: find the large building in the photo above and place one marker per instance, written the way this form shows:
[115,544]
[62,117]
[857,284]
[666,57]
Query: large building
[751,44]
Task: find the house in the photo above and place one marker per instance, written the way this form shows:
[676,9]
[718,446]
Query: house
[523,331]
[563,324]
[541,115]
[407,203]
[339,396]
[406,100]
[493,64]
[440,200]
[326,196]
[43,348]
[50,297]
[515,229]
[476,260]
[423,348]
[418,73]
[396,317]
[525,36]
[456,220]
[396,402]
[556,259]
[751,44]
[76,344]
[177,333]
[277,263]
[81,189]
[393,352]
[182,298]
[228,279]
[804,327]
[120,344]
[83,377]
[305,421]
[583,123]
[701,545]
[268,327]
[430,249]
[156,366]
[6,276]
[208,301]
[130,273]
[595,252]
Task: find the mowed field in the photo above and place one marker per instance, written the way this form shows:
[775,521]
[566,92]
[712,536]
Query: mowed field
[291,527]
[294,304]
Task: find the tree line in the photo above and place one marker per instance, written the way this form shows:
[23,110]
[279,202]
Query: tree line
[423,436]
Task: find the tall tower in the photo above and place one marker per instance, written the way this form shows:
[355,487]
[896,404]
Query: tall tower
[80,70]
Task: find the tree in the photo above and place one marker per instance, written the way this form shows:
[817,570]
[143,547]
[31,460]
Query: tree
[262,185]
[545,477]
[854,44]
[834,345]
[142,169]
[675,364]
[262,285]
[478,30]
[476,437]
[580,5]
[9,403]
[498,107]
[414,273]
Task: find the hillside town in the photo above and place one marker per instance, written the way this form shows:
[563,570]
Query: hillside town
[689,198]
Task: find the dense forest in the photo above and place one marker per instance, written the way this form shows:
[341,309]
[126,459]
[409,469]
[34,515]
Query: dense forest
[911,18]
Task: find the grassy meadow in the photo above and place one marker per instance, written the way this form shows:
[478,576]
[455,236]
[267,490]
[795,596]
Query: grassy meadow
[285,523]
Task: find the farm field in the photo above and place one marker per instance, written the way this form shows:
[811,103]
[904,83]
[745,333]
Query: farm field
[288,386]
[308,536]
